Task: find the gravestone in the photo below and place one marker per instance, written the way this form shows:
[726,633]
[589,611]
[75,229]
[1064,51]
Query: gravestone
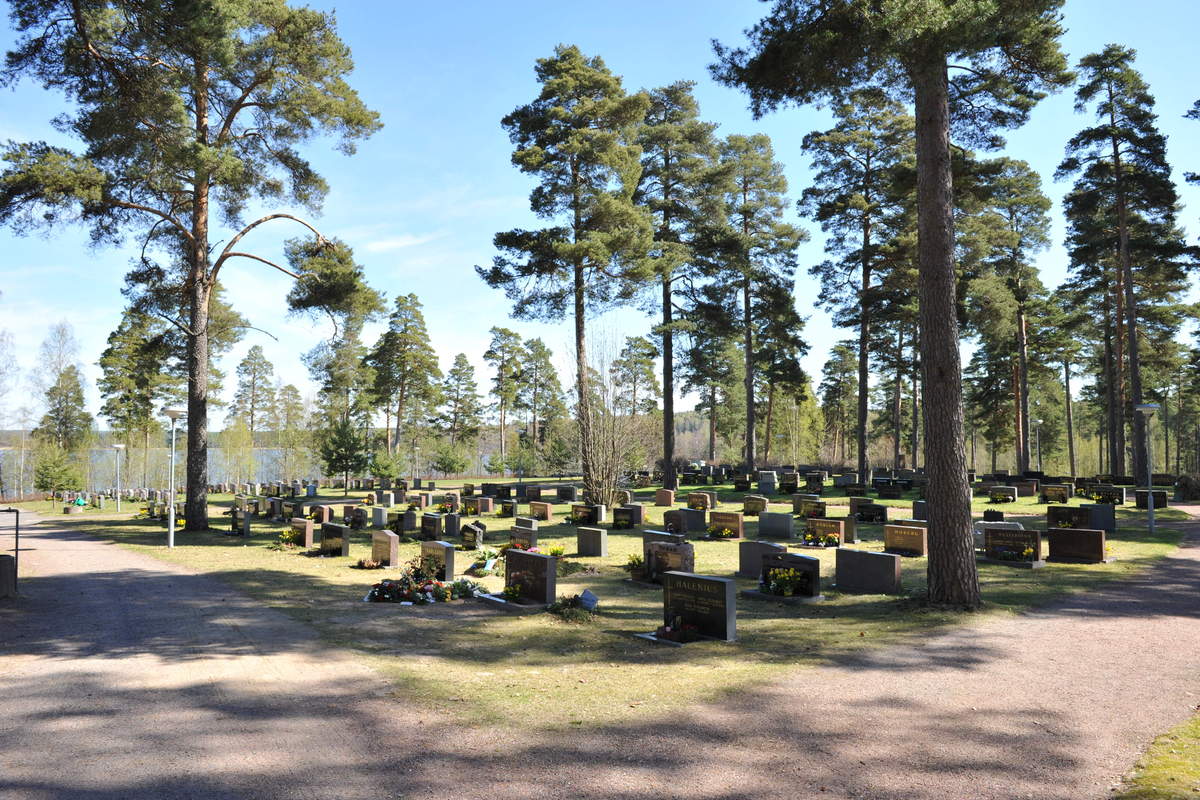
[623,497]
[468,490]
[541,511]
[1077,546]
[789,483]
[806,508]
[504,491]
[533,493]
[535,575]
[379,515]
[524,538]
[865,572]
[508,508]
[664,497]
[1008,547]
[890,491]
[905,541]
[753,505]
[1003,494]
[1113,495]
[845,479]
[1055,493]
[442,553]
[728,520]
[993,515]
[452,522]
[302,526]
[699,501]
[820,528]
[526,522]
[1026,488]
[872,514]
[1160,498]
[750,555]
[1067,517]
[431,526]
[741,484]
[706,603]
[808,569]
[623,518]
[637,513]
[385,548]
[567,494]
[814,483]
[775,525]
[920,510]
[335,540]
[658,537]
[591,542]
[472,535]
[1102,516]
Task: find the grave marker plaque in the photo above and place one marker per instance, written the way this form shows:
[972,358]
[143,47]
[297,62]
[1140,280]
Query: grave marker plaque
[905,541]
[706,603]
[728,520]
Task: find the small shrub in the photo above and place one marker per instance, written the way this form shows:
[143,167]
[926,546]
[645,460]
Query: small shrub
[570,609]
[367,563]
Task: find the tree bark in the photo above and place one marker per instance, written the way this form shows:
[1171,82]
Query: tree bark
[897,405]
[1070,417]
[712,423]
[770,415]
[864,353]
[916,408]
[1121,407]
[1023,454]
[952,575]
[198,289]
[748,344]
[670,480]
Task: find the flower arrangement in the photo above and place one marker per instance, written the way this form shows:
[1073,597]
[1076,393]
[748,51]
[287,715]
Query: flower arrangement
[558,551]
[511,593]
[784,582]
[678,631]
[418,584]
[444,508]
[634,562]
[1012,554]
[720,532]
[518,546]
[289,537]
[822,539]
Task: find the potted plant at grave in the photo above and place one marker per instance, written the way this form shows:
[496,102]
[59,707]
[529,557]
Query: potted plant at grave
[443,508]
[783,582]
[1013,554]
[511,593]
[720,532]
[635,565]
[558,551]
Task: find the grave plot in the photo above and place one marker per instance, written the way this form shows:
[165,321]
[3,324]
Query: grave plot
[529,583]
[696,608]
[788,578]
[419,584]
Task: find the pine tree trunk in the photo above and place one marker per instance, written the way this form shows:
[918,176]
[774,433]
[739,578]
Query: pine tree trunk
[503,438]
[1135,364]
[916,413]
[1070,417]
[897,406]
[586,456]
[748,344]
[1018,422]
[1111,379]
[1121,409]
[864,354]
[196,504]
[952,575]
[670,481]
[770,414]
[712,423]
[1022,385]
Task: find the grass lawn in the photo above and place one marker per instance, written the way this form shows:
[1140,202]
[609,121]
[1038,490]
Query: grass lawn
[539,670]
[1170,770]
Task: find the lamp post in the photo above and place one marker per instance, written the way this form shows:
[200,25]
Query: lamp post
[1147,411]
[118,448]
[174,414]
[1037,434]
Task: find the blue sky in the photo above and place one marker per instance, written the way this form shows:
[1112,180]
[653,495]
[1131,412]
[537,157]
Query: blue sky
[422,199]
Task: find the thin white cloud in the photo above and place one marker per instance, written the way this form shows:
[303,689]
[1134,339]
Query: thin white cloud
[399,242]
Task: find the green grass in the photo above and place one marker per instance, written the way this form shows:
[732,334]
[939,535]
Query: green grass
[1170,770]
[505,669]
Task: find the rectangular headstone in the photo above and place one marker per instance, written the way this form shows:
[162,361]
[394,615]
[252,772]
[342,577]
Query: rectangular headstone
[809,570]
[753,505]
[591,541]
[1076,545]
[727,520]
[442,553]
[541,511]
[637,513]
[385,548]
[1102,516]
[775,525]
[649,537]
[905,541]
[335,540]
[702,601]
[431,526]
[865,572]
[302,526]
[534,573]
[818,529]
[524,538]
[568,494]
[1011,546]
[664,497]
[750,555]
[473,534]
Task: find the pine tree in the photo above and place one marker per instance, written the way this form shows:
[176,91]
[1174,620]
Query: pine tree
[254,399]
[66,423]
[750,253]
[539,394]
[1123,204]
[1003,56]
[576,137]
[854,198]
[505,354]
[406,372]
[183,110]
[462,413]
[632,373]
[342,449]
[839,392]
[678,151]
[290,423]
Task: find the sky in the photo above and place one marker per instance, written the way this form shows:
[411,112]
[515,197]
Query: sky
[422,199]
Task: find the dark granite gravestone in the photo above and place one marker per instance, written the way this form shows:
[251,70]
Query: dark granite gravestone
[741,484]
[904,540]
[302,526]
[872,514]
[890,491]
[442,553]
[865,572]
[1102,516]
[1026,488]
[808,569]
[665,557]
[468,490]
[789,483]
[1160,498]
[504,491]
[335,540]
[1112,495]
[750,554]
[993,515]
[700,601]
[533,493]
[650,537]
[508,508]
[1067,517]
[775,525]
[488,489]
[806,508]
[452,523]
[473,535]
[524,538]
[728,520]
[521,492]
[1002,494]
[535,574]
[623,518]
[637,513]
[567,494]
[1008,547]
[591,542]
[1077,546]
[385,548]
[431,526]
[526,522]
[816,526]
[920,510]
[1055,493]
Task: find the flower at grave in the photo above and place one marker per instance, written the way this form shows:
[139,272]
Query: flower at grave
[634,562]
[720,532]
[512,592]
[783,582]
[831,540]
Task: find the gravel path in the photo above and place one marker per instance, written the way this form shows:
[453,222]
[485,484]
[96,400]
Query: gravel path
[123,677]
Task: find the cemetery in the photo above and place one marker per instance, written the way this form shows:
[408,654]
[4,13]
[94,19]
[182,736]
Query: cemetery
[586,447]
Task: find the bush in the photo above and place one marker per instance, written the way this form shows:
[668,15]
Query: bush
[1188,487]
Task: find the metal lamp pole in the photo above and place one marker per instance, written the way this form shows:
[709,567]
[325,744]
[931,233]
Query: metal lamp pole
[118,448]
[174,414]
[1147,411]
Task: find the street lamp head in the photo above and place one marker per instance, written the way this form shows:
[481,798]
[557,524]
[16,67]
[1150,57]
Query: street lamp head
[1147,409]
[174,413]
[118,447]
[1037,422]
